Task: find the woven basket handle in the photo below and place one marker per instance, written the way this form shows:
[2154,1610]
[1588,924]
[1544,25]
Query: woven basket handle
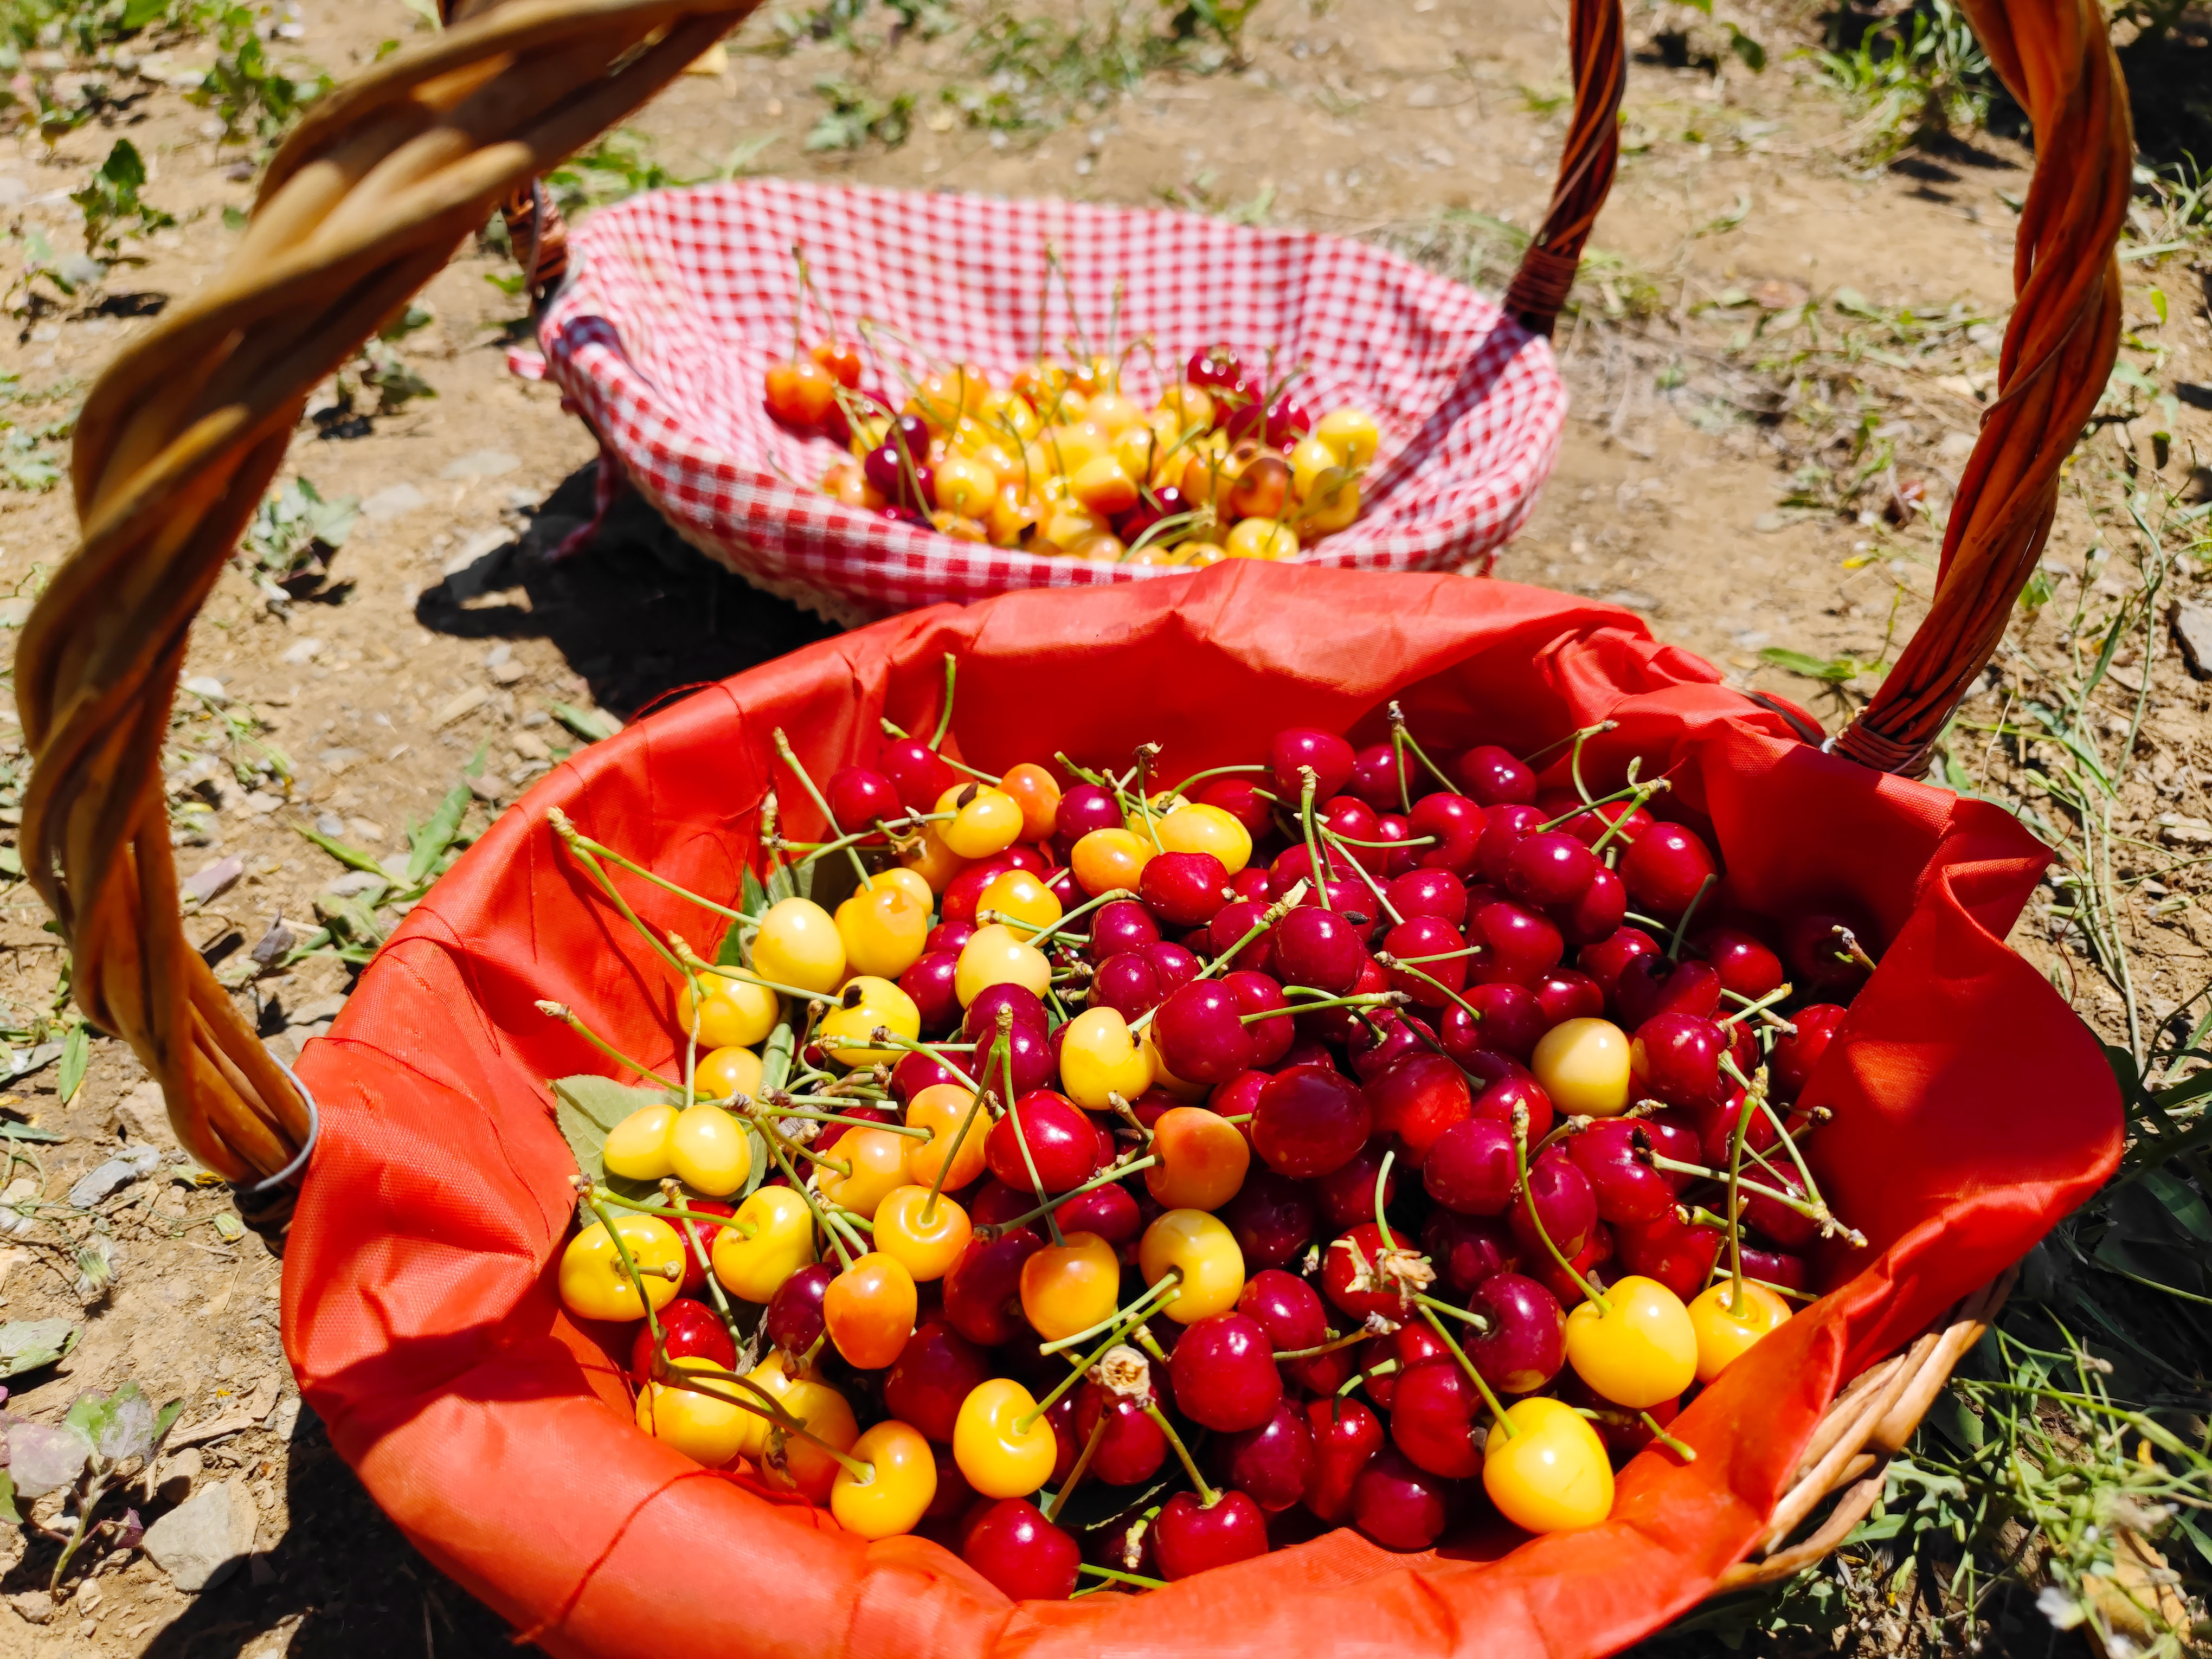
[176,445]
[2056,58]
[1587,164]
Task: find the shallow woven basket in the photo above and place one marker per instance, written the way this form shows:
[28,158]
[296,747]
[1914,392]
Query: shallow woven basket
[180,437]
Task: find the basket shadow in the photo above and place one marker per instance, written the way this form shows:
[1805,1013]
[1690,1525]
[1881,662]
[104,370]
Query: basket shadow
[638,614]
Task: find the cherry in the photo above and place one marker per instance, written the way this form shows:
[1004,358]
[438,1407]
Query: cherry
[981,1024]
[1110,1212]
[1716,1125]
[1607,959]
[1650,985]
[1347,1435]
[1568,1287]
[793,1319]
[1512,1021]
[1373,1354]
[1375,775]
[1471,1168]
[1184,889]
[1122,924]
[1343,1196]
[1503,829]
[1526,1344]
[1677,1058]
[858,796]
[1399,1504]
[1318,948]
[1524,945]
[1784,1225]
[693,1331]
[1675,1253]
[1796,1054]
[1626,1188]
[1673,1133]
[983,1290]
[1436,893]
[1288,422]
[1272,1463]
[1384,1038]
[1350,817]
[1774,1267]
[916,1072]
[1432,1416]
[1218,365]
[1175,965]
[1666,869]
[1456,823]
[1192,1538]
[1241,799]
[1200,1034]
[1392,861]
[937,1370]
[1590,821]
[1741,959]
[1596,916]
[1500,1100]
[1494,777]
[1565,995]
[994,1203]
[1564,1205]
[1231,925]
[961,895]
[1061,1143]
[1310,1121]
[1418,1098]
[951,936]
[1329,757]
[1467,1249]
[1431,983]
[1024,1554]
[917,772]
[932,983]
[1126,983]
[902,476]
[1813,945]
[1223,1370]
[1132,1447]
[1271,1218]
[1550,868]
[1083,809]
[1355,1274]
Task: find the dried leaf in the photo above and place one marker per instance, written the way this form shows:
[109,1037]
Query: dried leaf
[44,1458]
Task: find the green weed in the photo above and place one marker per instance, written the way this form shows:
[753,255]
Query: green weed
[855,115]
[1920,72]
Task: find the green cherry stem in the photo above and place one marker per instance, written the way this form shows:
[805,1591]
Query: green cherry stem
[1120,1171]
[789,757]
[1528,1202]
[1399,734]
[1115,1575]
[567,833]
[959,1139]
[1082,1468]
[598,850]
[1682,927]
[1206,1495]
[1473,1375]
[1166,1291]
[1332,839]
[1038,938]
[1682,1450]
[567,1016]
[1309,781]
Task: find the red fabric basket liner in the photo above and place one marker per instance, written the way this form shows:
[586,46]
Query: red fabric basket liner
[1971,1111]
[679,300]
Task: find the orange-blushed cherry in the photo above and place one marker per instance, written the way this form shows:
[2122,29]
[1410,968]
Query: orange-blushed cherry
[771,1238]
[875,1159]
[883,926]
[1038,793]
[1102,484]
[1200,1252]
[930,859]
[1070,1287]
[1100,1058]
[925,1236]
[1728,1319]
[900,1484]
[869,1309]
[839,359]
[1106,858]
[942,1108]
[800,392]
[1001,1441]
[1203,1159]
[827,1415]
[594,1283]
[1637,1349]
[1550,1473]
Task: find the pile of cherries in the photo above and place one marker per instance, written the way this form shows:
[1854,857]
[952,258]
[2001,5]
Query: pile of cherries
[1125,1179]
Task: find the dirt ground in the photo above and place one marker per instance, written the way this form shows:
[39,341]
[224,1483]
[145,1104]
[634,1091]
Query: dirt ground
[442,628]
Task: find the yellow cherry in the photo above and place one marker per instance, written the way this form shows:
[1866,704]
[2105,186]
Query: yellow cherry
[866,1002]
[710,1150]
[1582,1065]
[1309,461]
[1351,433]
[1099,1058]
[1001,1442]
[883,926]
[1104,485]
[1261,538]
[594,1283]
[728,1071]
[965,486]
[900,1485]
[733,1014]
[1551,1475]
[997,955]
[637,1148]
[1726,1329]
[1201,1249]
[1021,895]
[1335,504]
[798,943]
[988,821]
[704,1423]
[1201,828]
[924,1241]
[772,1237]
[1641,1350]
[773,1377]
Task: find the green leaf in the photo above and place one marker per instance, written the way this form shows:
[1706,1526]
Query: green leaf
[588,1108]
[166,1419]
[352,857]
[430,842]
[11,862]
[89,1416]
[1753,54]
[76,1054]
[8,1511]
[510,285]
[592,724]
[27,1344]
[2158,302]
[1959,1425]
[475,767]
[1840,670]
[2183,1202]
[234,218]
[137,14]
[427,10]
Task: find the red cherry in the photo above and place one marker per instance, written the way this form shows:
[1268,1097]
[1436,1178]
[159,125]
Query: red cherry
[1393,862]
[1200,1033]
[1224,1373]
[1493,777]
[1436,893]
[1350,817]
[1625,1187]
[1375,775]
[1184,889]
[693,1330]
[1418,1098]
[1666,870]
[917,772]
[1432,1417]
[1122,924]
[1596,916]
[1191,1538]
[981,1024]
[1564,1205]
[1676,1057]
[1349,1277]
[1287,422]
[1784,1225]
[1526,1342]
[932,982]
[1132,1447]
[1795,1055]
[1438,959]
[1565,995]
[1775,1268]
[1524,943]
[1607,960]
[858,796]
[1679,1256]
[1024,1554]
[1456,823]
[1499,1100]
[1062,1143]
[1504,829]
[1235,921]
[937,1370]
[1347,1435]
[1286,1308]
[1109,1212]
[1813,945]
[1272,1217]
[1550,868]
[793,1320]
[983,1291]
[1512,1021]
[1083,808]
[1217,365]
[1568,1287]
[1272,1463]
[1399,1504]
[1328,756]
[1716,1126]
[994,1203]
[1126,983]
[1741,960]
[1471,1168]
[1318,948]
[1467,1249]
[916,1072]
[1310,1120]
[1343,1196]
[1241,799]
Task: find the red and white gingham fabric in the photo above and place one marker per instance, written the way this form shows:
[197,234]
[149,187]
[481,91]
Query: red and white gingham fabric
[679,300]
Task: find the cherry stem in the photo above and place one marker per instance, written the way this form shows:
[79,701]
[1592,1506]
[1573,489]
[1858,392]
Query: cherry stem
[567,1016]
[1183,789]
[1167,1289]
[567,833]
[936,1051]
[1736,1303]
[1003,1053]
[1474,1375]
[1119,1171]
[1082,1468]
[1780,992]
[1331,837]
[1119,1577]
[1634,794]
[1363,1000]
[789,757]
[1387,1368]
[1682,927]
[779,1109]
[1145,751]
[1466,1317]
[1575,759]
[629,1265]
[1398,964]
[1528,1202]
[1755,1087]
[945,712]
[575,838]
[1206,1495]
[668,1211]
[1386,1238]
[730,970]
[1682,1450]
[1309,781]
[1359,1333]
[1812,1211]
[1083,908]
[959,1139]
[1400,735]
[669,1190]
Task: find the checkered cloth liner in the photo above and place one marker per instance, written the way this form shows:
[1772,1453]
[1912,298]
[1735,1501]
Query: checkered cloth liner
[679,300]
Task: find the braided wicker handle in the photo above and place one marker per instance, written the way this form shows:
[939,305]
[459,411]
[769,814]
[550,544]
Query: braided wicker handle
[1587,164]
